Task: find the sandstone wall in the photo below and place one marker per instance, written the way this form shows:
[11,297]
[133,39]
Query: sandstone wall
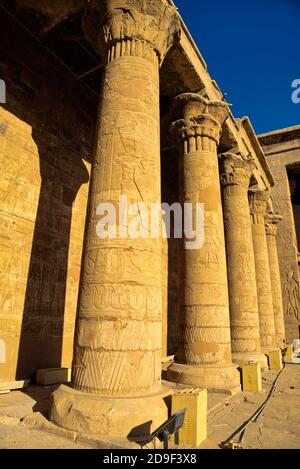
[46,134]
[282,149]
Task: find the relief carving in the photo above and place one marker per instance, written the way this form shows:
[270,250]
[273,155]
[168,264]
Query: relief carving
[291,296]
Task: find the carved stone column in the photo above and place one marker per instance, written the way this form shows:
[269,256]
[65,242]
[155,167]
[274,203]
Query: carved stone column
[204,355]
[117,357]
[258,200]
[244,320]
[272,221]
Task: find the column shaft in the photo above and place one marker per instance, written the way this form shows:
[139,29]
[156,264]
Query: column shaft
[117,353]
[244,319]
[258,206]
[118,347]
[204,355]
[272,221]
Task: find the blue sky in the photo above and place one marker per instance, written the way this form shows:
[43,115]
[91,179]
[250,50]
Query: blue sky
[252,49]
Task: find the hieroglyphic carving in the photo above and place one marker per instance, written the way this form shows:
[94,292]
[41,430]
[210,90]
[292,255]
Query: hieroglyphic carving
[258,200]
[121,278]
[138,302]
[291,295]
[235,176]
[115,260]
[45,136]
[197,123]
[271,224]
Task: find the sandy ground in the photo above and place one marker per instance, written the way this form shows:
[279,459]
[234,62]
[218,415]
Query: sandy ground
[277,427]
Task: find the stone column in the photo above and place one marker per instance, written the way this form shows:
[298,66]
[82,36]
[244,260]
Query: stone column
[117,355]
[272,221]
[258,205]
[244,320]
[204,355]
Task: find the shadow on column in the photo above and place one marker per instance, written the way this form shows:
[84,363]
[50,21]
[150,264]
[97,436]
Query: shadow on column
[170,194]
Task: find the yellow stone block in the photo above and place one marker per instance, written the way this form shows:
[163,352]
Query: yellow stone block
[275,360]
[194,429]
[289,353]
[49,376]
[251,377]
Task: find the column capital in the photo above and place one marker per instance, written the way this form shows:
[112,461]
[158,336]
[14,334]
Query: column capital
[271,223]
[195,116]
[258,202]
[234,170]
[152,23]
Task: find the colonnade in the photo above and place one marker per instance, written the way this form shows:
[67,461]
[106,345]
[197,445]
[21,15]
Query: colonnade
[231,306]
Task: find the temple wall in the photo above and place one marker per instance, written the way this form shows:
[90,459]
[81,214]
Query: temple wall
[46,134]
[282,149]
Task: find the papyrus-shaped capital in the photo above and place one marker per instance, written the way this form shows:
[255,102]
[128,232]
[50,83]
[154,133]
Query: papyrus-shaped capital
[234,170]
[194,115]
[154,22]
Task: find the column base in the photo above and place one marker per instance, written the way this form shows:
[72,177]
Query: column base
[121,417]
[241,358]
[219,378]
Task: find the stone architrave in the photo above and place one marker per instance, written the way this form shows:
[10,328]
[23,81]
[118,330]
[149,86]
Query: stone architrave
[204,354]
[271,224]
[258,200]
[235,176]
[118,346]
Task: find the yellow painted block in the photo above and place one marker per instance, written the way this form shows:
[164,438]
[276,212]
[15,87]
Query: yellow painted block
[251,377]
[49,376]
[194,429]
[275,360]
[289,353]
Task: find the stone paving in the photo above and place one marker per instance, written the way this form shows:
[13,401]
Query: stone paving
[279,425]
[23,423]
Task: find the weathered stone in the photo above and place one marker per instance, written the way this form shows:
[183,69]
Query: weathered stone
[282,148]
[272,221]
[119,355]
[133,293]
[243,305]
[204,354]
[53,376]
[43,189]
[258,207]
[90,414]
